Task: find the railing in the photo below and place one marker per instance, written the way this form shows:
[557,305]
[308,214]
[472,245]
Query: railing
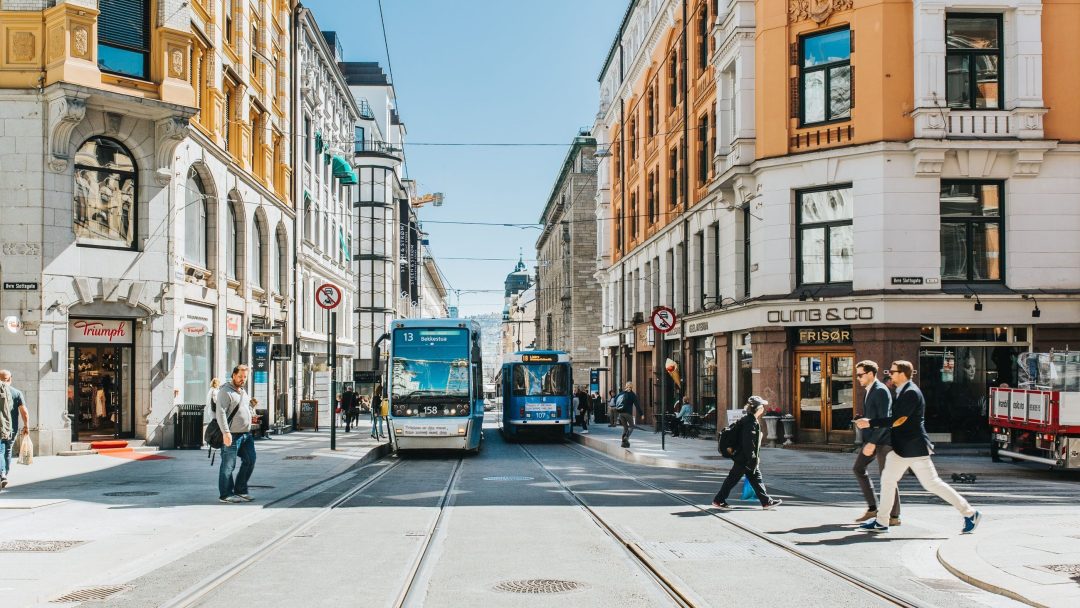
[829,136]
[374,145]
[980,124]
[365,110]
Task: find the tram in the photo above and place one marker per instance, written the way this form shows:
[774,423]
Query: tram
[537,394]
[436,399]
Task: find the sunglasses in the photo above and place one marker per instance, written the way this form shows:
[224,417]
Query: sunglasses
[860,374]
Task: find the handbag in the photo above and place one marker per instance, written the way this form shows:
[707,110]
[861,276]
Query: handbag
[26,450]
[213,435]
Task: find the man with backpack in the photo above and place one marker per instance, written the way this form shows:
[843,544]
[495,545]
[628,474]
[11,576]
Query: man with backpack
[234,410]
[741,441]
[627,407]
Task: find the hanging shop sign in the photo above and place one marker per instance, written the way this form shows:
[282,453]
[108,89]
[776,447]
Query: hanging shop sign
[100,331]
[821,336]
[234,322]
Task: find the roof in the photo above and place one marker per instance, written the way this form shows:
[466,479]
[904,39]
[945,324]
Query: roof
[363,73]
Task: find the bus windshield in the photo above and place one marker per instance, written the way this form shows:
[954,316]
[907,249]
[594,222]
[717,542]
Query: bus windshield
[539,380]
[430,363]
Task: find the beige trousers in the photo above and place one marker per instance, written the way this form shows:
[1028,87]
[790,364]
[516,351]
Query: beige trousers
[895,467]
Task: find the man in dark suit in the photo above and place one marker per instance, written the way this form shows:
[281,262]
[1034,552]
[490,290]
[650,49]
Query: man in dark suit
[911,450]
[878,404]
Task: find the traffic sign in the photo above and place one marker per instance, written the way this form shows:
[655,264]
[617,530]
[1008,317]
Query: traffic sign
[328,296]
[663,319]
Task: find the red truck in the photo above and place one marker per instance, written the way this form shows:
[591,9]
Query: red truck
[1039,422]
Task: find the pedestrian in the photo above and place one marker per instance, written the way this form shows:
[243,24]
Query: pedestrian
[575,406]
[234,414]
[911,449]
[350,403]
[682,418]
[376,412]
[12,409]
[611,408]
[628,408]
[746,461]
[585,405]
[211,397]
[878,404]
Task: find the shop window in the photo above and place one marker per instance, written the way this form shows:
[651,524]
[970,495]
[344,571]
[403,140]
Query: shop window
[124,37]
[826,237]
[956,382]
[105,203]
[972,231]
[705,374]
[973,58]
[825,77]
[196,233]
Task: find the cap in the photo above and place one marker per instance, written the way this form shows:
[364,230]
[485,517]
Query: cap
[756,401]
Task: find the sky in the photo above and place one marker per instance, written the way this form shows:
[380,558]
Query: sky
[484,71]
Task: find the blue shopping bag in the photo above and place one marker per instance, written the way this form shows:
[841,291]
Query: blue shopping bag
[748,492]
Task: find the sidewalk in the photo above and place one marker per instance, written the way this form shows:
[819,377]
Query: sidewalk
[1032,558]
[69,522]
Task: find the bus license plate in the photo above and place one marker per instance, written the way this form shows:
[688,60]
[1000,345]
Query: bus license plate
[540,407]
[1001,437]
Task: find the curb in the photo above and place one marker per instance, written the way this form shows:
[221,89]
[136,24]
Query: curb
[626,455]
[950,550]
[138,449]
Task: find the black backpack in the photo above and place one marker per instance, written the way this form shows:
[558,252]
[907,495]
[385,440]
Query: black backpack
[213,435]
[727,442]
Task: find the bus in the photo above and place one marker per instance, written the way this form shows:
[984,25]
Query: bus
[436,395]
[537,394]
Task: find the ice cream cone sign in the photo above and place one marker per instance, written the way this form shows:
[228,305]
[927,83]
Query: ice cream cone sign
[673,370]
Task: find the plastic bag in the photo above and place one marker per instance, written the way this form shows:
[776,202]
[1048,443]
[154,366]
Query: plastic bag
[748,492]
[26,450]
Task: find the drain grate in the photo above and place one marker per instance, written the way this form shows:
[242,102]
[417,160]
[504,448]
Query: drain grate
[38,546]
[508,478]
[299,458]
[670,551]
[131,493]
[92,594]
[539,585]
[1067,569]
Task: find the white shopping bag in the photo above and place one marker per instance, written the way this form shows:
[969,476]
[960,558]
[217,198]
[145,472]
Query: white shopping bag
[26,450]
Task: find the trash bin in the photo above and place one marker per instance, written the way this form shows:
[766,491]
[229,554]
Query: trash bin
[189,426]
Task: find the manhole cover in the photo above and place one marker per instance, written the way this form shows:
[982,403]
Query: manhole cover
[508,478]
[539,585]
[1069,569]
[37,546]
[299,458]
[91,594]
[670,551]
[131,493]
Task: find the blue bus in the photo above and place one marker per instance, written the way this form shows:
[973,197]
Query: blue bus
[436,385]
[537,394]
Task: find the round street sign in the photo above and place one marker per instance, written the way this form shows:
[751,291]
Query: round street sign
[328,296]
[663,319]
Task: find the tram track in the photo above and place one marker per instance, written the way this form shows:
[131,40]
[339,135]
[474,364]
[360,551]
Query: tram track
[881,592]
[410,591]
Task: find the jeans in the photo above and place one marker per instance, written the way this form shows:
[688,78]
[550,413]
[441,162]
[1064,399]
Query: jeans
[243,445]
[895,467]
[627,422]
[376,425]
[866,484]
[738,470]
[5,456]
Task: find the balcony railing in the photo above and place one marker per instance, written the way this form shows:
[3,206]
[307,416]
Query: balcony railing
[377,146]
[979,124]
[365,110]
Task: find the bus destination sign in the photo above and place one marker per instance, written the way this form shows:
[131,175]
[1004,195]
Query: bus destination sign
[540,358]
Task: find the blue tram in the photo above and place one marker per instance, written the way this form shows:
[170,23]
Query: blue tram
[436,385]
[537,394]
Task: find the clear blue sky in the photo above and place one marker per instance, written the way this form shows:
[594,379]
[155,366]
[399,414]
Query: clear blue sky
[484,71]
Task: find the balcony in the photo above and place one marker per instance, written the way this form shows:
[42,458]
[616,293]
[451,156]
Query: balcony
[365,110]
[946,123]
[377,148]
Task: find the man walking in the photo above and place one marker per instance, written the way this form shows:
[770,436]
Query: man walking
[350,404]
[911,449]
[611,407]
[746,460]
[585,407]
[12,409]
[234,410]
[878,404]
[627,407]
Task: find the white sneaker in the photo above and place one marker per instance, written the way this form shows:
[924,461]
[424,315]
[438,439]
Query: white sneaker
[584,432]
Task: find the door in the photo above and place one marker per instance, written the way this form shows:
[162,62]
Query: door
[824,396]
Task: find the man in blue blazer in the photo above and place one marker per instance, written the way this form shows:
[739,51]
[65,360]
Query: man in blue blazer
[911,450]
[878,404]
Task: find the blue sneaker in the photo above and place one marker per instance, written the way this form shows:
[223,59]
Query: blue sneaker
[873,526]
[970,523]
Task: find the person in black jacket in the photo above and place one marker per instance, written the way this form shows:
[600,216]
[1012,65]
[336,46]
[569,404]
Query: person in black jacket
[747,457]
[878,404]
[911,450]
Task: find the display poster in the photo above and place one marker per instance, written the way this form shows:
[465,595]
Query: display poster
[320,391]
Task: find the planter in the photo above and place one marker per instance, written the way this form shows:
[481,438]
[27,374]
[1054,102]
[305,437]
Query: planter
[770,429]
[789,428]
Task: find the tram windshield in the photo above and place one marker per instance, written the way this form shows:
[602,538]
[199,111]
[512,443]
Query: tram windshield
[430,363]
[540,380]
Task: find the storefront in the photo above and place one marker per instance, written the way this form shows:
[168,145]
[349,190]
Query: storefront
[704,394]
[824,383]
[197,334]
[101,382]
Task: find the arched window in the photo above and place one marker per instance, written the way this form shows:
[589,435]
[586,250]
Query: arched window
[105,195]
[196,237]
[276,264]
[232,244]
[258,260]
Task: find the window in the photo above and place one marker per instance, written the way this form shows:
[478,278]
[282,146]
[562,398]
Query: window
[195,224]
[703,39]
[105,195]
[308,227]
[277,264]
[703,150]
[826,238]
[124,37]
[258,259]
[650,194]
[825,77]
[699,253]
[973,59]
[673,80]
[358,139]
[633,139]
[232,245]
[616,159]
[673,178]
[650,114]
[746,249]
[715,291]
[972,234]
[307,139]
[227,119]
[633,215]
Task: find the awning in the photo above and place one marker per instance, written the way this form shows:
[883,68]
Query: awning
[343,171]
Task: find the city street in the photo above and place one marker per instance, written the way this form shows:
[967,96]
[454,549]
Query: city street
[519,524]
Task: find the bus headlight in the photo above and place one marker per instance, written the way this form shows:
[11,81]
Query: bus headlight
[408,412]
[461,429]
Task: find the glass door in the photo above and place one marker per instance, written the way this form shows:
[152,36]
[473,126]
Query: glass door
[824,398]
[841,402]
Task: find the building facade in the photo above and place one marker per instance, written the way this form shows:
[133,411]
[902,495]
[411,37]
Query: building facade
[325,189]
[568,295]
[519,310]
[921,211]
